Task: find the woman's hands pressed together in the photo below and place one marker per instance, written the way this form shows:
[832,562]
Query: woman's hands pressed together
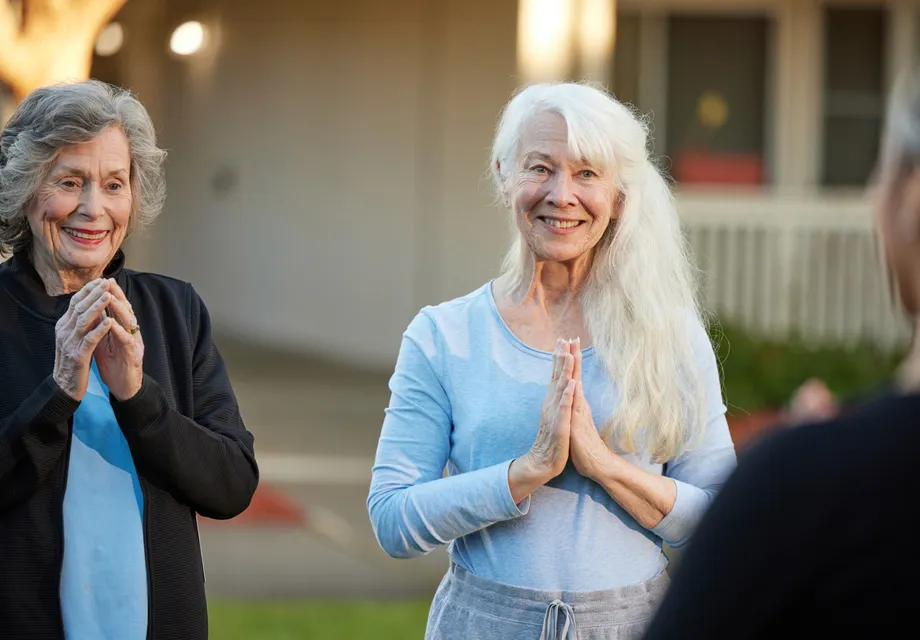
[86,331]
[77,334]
[588,452]
[567,429]
[120,354]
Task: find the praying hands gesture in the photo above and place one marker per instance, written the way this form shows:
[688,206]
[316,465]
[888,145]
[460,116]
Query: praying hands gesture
[568,432]
[100,324]
[120,353]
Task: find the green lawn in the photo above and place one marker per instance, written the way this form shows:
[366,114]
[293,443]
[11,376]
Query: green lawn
[317,620]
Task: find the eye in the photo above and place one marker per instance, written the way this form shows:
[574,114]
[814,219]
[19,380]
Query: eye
[115,186]
[70,183]
[587,173]
[540,169]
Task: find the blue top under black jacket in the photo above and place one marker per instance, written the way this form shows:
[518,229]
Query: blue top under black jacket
[192,453]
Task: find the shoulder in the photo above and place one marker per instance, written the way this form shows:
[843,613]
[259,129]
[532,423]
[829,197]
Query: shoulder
[451,319]
[173,302]
[162,288]
[833,457]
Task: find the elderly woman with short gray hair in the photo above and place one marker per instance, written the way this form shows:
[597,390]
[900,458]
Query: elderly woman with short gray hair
[118,424]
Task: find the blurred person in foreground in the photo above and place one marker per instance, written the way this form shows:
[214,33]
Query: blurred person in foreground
[575,399]
[117,420]
[811,536]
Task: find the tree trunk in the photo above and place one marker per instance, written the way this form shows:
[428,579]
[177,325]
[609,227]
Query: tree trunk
[55,62]
[51,41]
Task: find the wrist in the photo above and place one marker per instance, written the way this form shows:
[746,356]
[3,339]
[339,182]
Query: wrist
[122,395]
[66,386]
[524,476]
[607,468]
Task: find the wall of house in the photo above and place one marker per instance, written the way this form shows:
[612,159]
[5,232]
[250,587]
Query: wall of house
[327,163]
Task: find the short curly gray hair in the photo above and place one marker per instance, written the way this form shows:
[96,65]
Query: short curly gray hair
[61,115]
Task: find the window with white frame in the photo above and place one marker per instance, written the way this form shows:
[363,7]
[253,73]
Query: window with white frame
[716,89]
[854,92]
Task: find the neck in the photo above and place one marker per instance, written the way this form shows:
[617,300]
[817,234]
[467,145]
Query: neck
[62,281]
[908,375]
[548,283]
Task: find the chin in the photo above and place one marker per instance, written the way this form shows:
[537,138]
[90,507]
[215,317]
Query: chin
[560,251]
[96,259]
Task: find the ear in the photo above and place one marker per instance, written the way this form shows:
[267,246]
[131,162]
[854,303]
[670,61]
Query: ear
[506,199]
[619,202]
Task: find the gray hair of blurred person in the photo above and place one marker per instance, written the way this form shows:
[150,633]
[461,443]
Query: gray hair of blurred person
[58,116]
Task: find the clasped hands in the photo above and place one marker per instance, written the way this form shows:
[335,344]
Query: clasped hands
[98,324]
[567,430]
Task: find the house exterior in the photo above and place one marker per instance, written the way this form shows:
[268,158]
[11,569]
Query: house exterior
[328,161]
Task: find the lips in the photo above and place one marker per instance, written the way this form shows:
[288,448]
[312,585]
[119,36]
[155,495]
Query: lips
[87,236]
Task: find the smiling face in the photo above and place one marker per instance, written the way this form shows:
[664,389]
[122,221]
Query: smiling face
[80,213]
[562,204]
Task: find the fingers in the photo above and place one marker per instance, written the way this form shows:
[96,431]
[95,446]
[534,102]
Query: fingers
[88,289]
[91,298]
[119,293]
[86,321]
[122,335]
[580,402]
[557,361]
[568,395]
[575,346]
[92,339]
[121,310]
[568,367]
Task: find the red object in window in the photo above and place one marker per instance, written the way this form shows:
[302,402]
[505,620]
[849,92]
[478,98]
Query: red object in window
[697,166]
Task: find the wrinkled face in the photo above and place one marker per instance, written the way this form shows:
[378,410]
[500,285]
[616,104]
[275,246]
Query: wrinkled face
[80,213]
[562,204]
[897,219]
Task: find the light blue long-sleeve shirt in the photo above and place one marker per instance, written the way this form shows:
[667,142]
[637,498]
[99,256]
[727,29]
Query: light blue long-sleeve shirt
[466,394]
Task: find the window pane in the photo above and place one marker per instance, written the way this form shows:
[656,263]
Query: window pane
[854,64]
[626,59]
[716,93]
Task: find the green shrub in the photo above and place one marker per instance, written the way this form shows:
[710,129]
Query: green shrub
[763,374]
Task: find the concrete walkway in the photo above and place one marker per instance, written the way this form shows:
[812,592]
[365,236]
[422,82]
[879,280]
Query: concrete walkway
[307,532]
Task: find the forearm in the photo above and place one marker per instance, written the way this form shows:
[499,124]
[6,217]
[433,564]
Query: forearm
[413,519]
[646,496]
[214,473]
[32,440]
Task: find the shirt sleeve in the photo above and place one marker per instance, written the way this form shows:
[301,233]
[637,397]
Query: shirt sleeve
[413,508]
[207,460]
[700,472]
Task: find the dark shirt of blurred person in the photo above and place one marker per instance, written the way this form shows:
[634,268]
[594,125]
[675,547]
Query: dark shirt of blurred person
[811,536]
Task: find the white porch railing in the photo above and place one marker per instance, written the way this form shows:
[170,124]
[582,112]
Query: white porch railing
[787,265]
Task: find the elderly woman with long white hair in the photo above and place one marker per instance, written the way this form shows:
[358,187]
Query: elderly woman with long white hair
[118,424]
[574,400]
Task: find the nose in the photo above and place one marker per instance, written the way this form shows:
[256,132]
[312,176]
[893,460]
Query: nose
[92,202]
[561,190]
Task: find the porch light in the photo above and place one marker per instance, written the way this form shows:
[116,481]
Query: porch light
[544,45]
[187,39]
[110,40]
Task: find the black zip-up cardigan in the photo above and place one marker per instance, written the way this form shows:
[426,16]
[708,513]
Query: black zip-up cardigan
[191,450]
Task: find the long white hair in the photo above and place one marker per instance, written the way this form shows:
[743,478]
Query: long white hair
[640,302]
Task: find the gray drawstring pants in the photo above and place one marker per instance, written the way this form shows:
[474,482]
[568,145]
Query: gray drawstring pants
[467,607]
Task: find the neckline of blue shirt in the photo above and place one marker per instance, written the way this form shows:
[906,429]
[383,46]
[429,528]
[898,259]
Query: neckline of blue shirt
[513,339]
